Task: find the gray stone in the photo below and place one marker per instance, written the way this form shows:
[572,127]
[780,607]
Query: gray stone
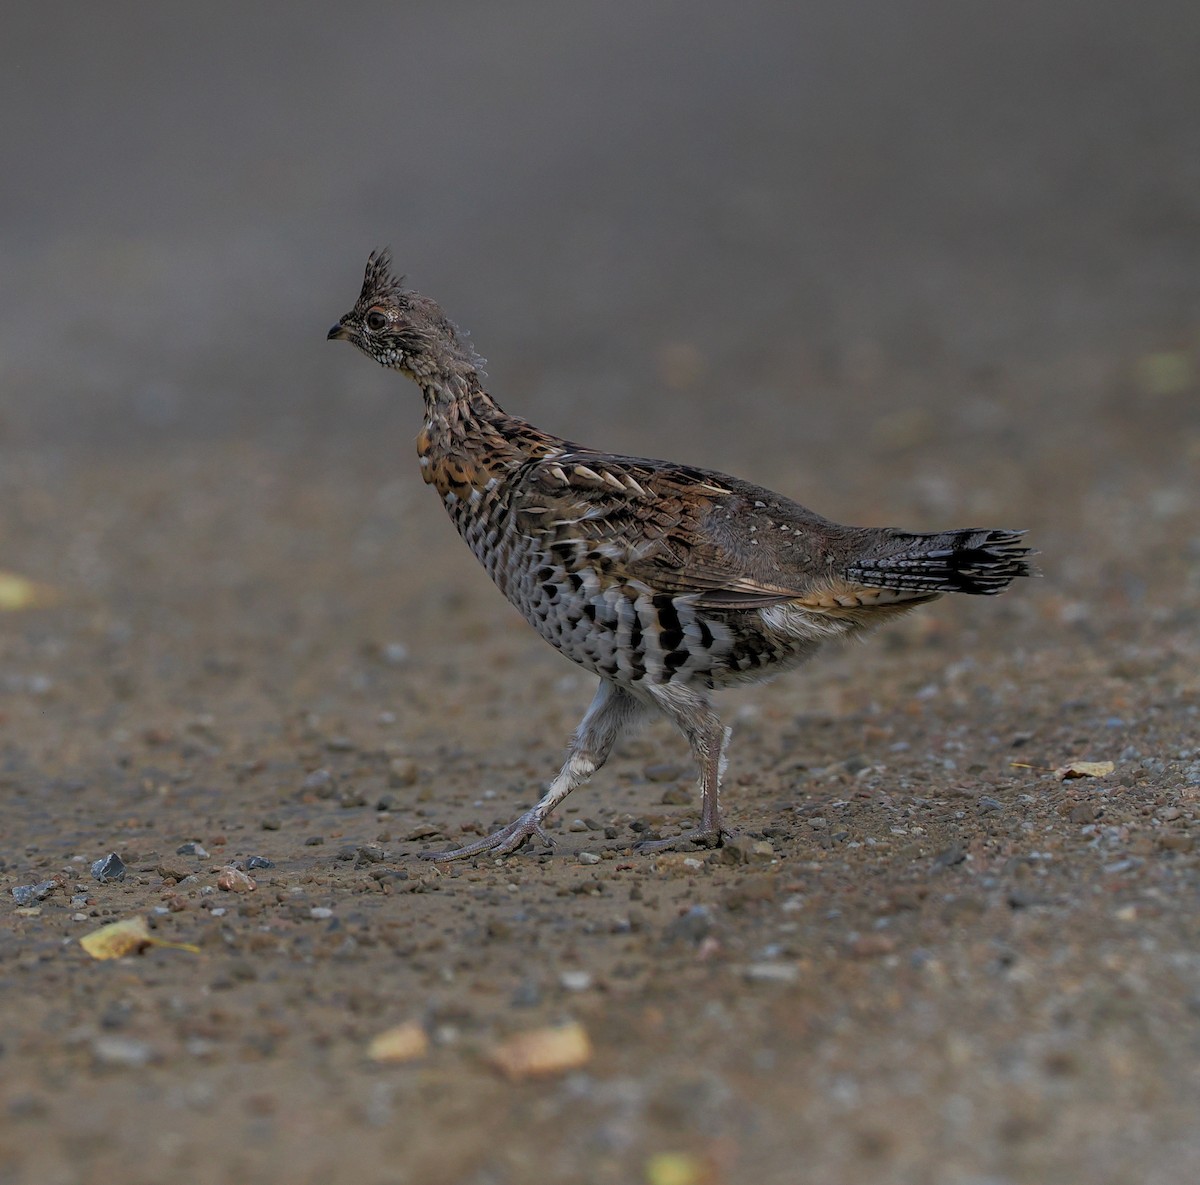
[109,868]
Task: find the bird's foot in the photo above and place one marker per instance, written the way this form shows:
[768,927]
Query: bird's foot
[499,843]
[702,837]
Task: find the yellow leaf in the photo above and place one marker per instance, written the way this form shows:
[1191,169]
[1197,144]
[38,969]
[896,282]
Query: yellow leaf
[543,1051]
[404,1043]
[126,937]
[16,592]
[1084,769]
[676,1168]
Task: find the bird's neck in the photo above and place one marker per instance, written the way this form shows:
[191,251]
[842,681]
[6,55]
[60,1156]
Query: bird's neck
[453,398]
[468,439]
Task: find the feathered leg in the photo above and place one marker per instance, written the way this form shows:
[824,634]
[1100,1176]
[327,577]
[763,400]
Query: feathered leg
[611,712]
[691,713]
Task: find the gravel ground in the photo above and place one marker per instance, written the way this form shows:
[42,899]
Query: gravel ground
[902,265]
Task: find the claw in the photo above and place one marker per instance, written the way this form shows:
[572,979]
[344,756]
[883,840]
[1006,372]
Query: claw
[500,843]
[703,837]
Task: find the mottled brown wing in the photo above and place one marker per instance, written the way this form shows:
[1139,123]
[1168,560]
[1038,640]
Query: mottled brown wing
[675,528]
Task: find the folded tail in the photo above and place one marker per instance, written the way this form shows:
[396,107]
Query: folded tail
[974,560]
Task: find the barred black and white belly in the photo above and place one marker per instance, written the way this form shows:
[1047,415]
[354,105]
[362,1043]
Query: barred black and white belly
[623,629]
[629,633]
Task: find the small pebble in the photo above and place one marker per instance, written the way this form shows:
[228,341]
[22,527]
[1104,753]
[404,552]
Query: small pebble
[1119,866]
[320,912]
[690,927]
[394,653]
[271,823]
[402,771]
[576,981]
[986,805]
[109,868]
[404,1043]
[234,880]
[314,841]
[741,849]
[124,1052]
[664,771]
[771,972]
[423,831]
[1177,841]
[191,849]
[527,995]
[1022,898]
[948,857]
[866,946]
[319,782]
[172,869]
[588,858]
[750,891]
[253,862]
[27,894]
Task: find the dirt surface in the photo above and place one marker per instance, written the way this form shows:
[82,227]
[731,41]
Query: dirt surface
[902,265]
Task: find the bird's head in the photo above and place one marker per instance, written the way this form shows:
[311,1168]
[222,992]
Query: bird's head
[404,330]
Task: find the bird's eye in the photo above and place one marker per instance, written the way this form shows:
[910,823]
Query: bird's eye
[376,320]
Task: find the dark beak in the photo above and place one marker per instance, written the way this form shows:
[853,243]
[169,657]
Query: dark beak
[339,333]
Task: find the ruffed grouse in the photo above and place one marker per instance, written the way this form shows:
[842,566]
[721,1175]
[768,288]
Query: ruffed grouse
[667,581]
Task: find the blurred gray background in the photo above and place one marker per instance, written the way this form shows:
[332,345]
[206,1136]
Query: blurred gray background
[668,224]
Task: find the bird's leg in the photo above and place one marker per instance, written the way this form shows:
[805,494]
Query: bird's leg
[708,738]
[610,713]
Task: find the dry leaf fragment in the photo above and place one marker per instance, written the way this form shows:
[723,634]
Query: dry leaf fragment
[1084,769]
[543,1051]
[404,1043]
[126,937]
[16,592]
[676,1168]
